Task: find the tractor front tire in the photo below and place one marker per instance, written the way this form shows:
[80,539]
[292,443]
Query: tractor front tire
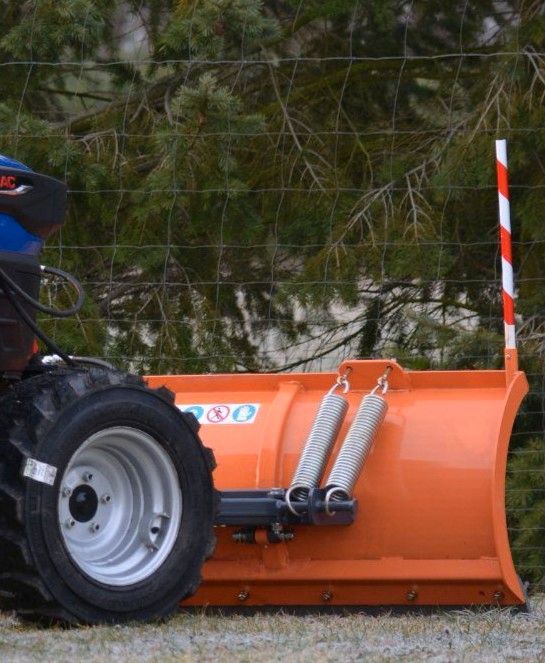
[121,532]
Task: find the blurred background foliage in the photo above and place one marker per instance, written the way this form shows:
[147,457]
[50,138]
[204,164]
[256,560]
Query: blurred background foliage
[280,184]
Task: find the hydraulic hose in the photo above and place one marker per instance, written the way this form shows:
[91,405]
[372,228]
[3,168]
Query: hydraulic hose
[55,312]
[12,289]
[30,322]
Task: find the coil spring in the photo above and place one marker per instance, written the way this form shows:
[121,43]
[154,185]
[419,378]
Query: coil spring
[356,447]
[318,445]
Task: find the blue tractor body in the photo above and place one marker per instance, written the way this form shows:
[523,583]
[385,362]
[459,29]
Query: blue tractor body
[31,207]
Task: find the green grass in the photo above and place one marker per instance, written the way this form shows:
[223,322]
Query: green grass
[492,635]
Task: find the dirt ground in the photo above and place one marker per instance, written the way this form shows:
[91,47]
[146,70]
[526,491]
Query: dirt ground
[459,635]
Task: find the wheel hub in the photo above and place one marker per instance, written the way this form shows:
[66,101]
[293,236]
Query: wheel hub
[83,503]
[119,506]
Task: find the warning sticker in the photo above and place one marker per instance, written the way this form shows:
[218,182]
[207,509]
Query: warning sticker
[222,413]
[41,472]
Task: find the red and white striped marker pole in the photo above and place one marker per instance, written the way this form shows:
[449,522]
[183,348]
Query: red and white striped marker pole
[508,283]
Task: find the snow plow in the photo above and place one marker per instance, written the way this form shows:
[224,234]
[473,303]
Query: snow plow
[369,486]
[430,521]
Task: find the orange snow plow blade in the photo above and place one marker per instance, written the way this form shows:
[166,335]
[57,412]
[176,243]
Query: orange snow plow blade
[430,527]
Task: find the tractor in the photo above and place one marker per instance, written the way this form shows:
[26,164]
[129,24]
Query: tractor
[369,486]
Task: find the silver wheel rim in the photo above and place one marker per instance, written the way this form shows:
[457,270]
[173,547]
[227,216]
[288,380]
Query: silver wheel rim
[120,506]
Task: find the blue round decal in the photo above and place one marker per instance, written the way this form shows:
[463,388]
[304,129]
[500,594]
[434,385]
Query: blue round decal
[196,410]
[244,413]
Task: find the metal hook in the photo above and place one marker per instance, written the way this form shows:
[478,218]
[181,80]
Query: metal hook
[382,382]
[342,382]
[287,497]
[328,497]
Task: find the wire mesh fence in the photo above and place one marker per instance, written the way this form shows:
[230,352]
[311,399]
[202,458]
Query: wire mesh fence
[267,186]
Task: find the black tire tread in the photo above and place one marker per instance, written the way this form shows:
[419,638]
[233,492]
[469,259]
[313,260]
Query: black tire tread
[26,413]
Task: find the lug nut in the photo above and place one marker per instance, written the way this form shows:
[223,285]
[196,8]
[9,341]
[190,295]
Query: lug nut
[87,476]
[66,491]
[70,522]
[105,499]
[94,527]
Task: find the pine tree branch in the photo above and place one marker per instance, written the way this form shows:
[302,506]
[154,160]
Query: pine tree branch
[74,93]
[293,132]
